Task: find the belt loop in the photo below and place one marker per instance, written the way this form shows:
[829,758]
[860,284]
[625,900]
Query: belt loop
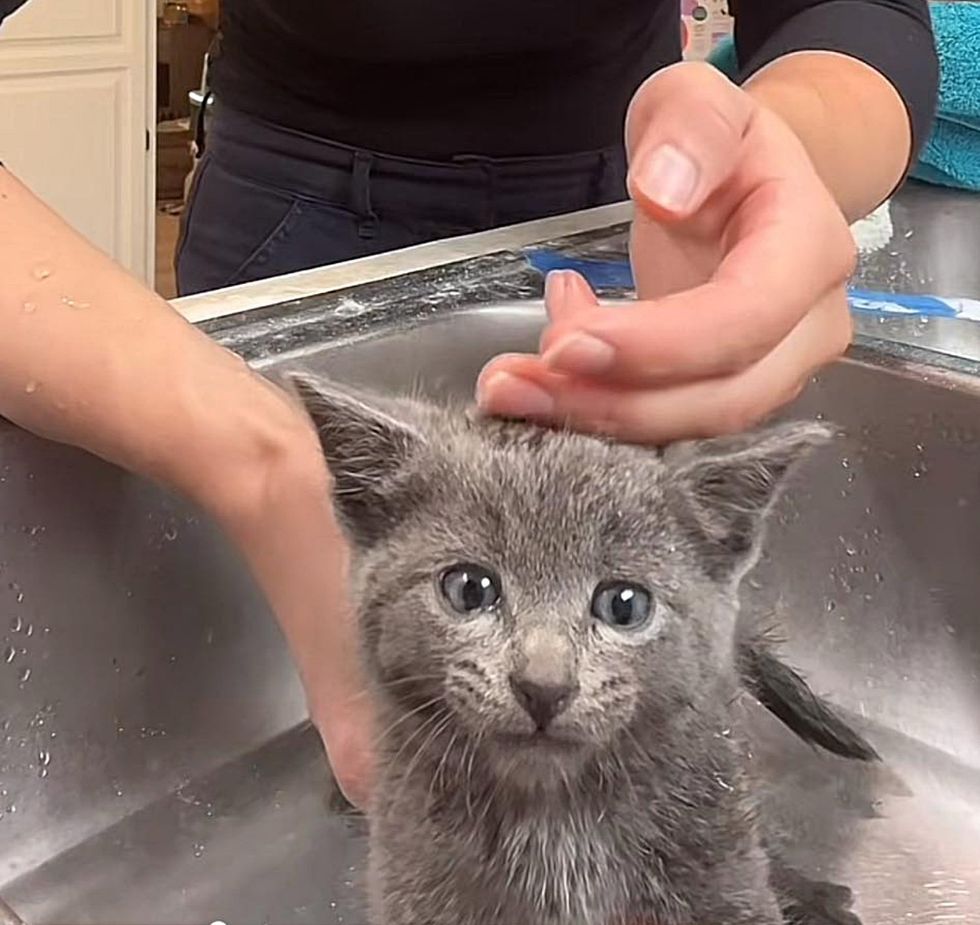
[200,126]
[361,194]
[490,172]
[599,178]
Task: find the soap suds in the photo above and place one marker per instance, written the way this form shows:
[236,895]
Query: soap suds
[874,232]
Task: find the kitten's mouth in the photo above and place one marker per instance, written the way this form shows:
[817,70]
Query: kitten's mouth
[540,741]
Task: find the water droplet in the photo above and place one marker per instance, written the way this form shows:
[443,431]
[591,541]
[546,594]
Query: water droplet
[879,578]
[31,387]
[198,850]
[30,308]
[831,606]
[25,675]
[16,625]
[73,303]
[42,773]
[44,758]
[170,534]
[20,597]
[845,463]
[29,631]
[9,654]
[41,272]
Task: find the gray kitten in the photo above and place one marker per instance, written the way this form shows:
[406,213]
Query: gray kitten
[550,622]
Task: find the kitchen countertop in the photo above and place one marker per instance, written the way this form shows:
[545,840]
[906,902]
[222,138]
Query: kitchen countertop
[934,249]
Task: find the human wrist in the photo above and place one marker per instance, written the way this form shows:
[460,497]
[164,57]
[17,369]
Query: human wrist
[264,457]
[849,118]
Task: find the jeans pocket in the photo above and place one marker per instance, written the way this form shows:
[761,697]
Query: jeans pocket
[231,225]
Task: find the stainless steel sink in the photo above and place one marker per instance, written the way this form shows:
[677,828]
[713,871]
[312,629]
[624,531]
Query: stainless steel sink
[154,762]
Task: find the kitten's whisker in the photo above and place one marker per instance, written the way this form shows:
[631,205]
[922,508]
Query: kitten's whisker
[422,727]
[379,738]
[437,777]
[408,679]
[381,686]
[432,723]
[434,733]
[469,769]
[627,777]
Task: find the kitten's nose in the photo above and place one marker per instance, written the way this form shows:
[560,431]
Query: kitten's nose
[543,702]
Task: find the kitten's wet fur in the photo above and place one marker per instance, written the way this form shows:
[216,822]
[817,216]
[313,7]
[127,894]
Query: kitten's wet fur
[539,766]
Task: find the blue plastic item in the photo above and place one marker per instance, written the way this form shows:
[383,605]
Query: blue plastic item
[617,274]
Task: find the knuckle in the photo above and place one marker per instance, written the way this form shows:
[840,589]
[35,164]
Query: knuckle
[689,85]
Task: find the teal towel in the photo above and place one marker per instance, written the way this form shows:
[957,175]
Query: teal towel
[725,58]
[951,154]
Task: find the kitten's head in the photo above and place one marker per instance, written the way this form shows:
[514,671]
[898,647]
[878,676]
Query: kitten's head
[548,591]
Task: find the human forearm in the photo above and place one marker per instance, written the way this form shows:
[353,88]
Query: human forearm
[855,79]
[89,357]
[851,120]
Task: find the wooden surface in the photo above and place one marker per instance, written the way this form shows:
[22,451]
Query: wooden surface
[167,231]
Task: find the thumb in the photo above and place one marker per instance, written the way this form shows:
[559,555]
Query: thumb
[683,132]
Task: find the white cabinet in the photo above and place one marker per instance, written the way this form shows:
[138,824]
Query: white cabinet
[76,107]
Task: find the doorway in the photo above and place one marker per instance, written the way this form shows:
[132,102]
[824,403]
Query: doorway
[185,30]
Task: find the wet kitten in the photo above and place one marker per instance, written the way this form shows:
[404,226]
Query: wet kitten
[550,621]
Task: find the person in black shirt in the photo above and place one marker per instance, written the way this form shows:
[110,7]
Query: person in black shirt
[342,128]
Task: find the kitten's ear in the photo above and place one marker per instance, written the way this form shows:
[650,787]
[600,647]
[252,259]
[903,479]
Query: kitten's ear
[729,486]
[366,449]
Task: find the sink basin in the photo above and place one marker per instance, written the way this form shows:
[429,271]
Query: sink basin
[155,764]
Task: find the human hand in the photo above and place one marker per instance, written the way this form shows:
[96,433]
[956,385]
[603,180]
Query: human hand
[347,732]
[740,255]
[295,548]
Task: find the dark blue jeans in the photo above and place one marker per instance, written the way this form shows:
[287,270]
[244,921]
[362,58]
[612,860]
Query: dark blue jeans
[267,200]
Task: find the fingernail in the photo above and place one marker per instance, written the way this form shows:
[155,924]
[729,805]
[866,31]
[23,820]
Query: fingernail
[669,177]
[581,354]
[555,285]
[510,396]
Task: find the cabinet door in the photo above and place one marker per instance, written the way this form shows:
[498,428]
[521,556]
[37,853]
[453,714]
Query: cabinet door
[75,116]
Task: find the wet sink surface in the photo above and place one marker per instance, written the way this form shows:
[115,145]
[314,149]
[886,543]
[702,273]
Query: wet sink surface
[184,787]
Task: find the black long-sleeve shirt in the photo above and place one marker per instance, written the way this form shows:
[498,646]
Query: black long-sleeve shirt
[438,78]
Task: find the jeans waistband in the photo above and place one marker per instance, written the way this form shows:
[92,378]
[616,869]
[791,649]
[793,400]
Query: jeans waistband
[322,169]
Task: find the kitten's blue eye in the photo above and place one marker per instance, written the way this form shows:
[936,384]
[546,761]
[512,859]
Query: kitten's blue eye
[470,588]
[621,605]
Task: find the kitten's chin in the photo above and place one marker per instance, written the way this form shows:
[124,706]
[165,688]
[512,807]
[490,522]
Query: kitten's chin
[536,760]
